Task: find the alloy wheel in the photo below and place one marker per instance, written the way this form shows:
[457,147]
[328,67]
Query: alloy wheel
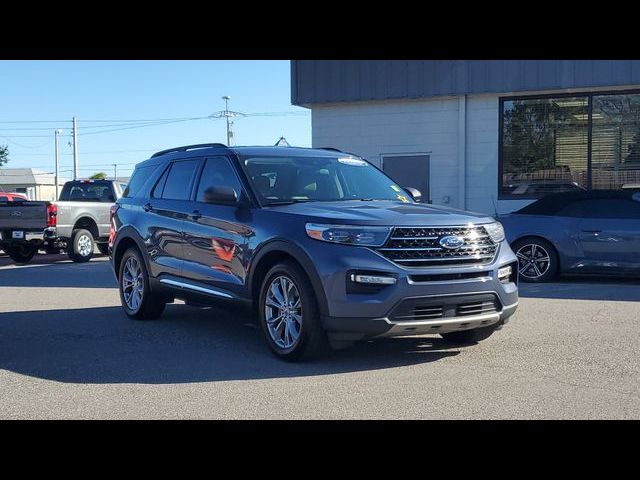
[85,245]
[132,284]
[283,312]
[533,261]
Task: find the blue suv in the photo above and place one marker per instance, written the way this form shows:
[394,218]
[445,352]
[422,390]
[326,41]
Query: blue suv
[326,248]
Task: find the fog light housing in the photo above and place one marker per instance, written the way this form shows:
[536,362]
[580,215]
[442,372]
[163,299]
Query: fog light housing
[373,279]
[504,274]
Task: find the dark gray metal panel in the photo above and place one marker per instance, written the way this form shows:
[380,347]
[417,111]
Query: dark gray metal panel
[328,81]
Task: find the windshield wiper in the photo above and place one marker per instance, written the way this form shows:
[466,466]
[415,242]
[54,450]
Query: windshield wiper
[287,202]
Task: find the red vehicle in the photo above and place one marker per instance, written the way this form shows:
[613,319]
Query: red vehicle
[12,197]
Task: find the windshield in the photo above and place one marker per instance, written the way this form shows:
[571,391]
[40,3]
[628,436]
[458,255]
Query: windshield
[324,179]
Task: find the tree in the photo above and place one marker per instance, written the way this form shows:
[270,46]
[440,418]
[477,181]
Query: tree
[98,176]
[4,155]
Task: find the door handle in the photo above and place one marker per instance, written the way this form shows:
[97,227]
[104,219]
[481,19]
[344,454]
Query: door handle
[147,206]
[196,215]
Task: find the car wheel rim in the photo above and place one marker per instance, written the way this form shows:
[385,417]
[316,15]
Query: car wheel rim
[533,261]
[84,245]
[283,312]
[132,284]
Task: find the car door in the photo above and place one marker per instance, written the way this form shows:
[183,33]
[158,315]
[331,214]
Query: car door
[217,236]
[609,233]
[167,208]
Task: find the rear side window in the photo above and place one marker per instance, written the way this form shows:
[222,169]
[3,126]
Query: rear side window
[602,208]
[179,180]
[217,172]
[139,177]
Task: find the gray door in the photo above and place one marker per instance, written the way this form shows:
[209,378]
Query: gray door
[409,171]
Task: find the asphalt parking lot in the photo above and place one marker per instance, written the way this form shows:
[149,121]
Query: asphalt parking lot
[67,351]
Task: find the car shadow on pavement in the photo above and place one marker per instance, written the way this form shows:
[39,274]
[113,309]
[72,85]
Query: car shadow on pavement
[102,345]
[584,288]
[58,271]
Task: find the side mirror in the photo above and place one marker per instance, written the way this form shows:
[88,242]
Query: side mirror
[221,195]
[414,192]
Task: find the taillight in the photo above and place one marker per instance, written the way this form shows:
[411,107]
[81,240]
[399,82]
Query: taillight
[52,215]
[112,223]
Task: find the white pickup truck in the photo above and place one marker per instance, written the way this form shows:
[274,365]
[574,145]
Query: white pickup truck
[77,222]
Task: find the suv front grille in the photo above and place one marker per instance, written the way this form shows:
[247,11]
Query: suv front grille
[420,246]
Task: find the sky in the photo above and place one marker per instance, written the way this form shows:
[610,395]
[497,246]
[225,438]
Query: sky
[112,100]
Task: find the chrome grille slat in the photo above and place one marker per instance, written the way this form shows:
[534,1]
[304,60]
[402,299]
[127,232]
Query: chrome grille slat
[419,246]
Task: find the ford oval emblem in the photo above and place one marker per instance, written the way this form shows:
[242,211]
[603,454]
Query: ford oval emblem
[451,242]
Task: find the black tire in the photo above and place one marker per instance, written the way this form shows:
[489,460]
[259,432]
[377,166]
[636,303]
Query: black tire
[79,252]
[152,305]
[530,272]
[312,339]
[21,253]
[470,336]
[103,248]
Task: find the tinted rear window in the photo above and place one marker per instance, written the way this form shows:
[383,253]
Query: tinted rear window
[96,191]
[602,208]
[178,184]
[137,180]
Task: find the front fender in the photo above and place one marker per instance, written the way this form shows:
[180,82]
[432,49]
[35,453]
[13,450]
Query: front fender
[294,250]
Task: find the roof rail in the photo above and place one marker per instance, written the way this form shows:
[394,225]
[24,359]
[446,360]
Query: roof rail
[331,148]
[188,147]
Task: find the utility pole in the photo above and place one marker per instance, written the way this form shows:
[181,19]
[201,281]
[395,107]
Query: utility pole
[115,172]
[226,99]
[75,149]
[228,115]
[57,133]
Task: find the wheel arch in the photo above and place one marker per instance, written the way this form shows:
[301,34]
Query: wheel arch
[128,237]
[274,252]
[539,237]
[88,223]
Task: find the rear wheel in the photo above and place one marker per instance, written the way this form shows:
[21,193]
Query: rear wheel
[289,314]
[470,336]
[138,301]
[21,253]
[81,245]
[537,259]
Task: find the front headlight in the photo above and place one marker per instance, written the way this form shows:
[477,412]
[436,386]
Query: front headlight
[349,234]
[495,231]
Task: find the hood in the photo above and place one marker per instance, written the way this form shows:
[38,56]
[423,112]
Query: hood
[381,212]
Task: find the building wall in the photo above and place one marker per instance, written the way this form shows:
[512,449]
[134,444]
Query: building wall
[42,192]
[460,135]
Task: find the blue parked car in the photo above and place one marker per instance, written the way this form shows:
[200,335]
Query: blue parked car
[595,232]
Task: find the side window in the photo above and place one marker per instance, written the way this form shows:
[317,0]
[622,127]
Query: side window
[178,183]
[217,171]
[602,208]
[157,190]
[138,179]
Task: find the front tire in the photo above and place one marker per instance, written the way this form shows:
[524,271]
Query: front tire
[81,248]
[537,260]
[288,314]
[470,336]
[138,301]
[21,253]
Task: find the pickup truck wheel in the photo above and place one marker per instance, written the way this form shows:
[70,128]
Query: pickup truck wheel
[470,336]
[81,248]
[138,301]
[103,248]
[288,314]
[21,253]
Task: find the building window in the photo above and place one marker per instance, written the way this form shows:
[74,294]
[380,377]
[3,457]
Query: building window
[566,143]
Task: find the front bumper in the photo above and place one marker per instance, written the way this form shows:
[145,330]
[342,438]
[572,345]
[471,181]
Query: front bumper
[367,315]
